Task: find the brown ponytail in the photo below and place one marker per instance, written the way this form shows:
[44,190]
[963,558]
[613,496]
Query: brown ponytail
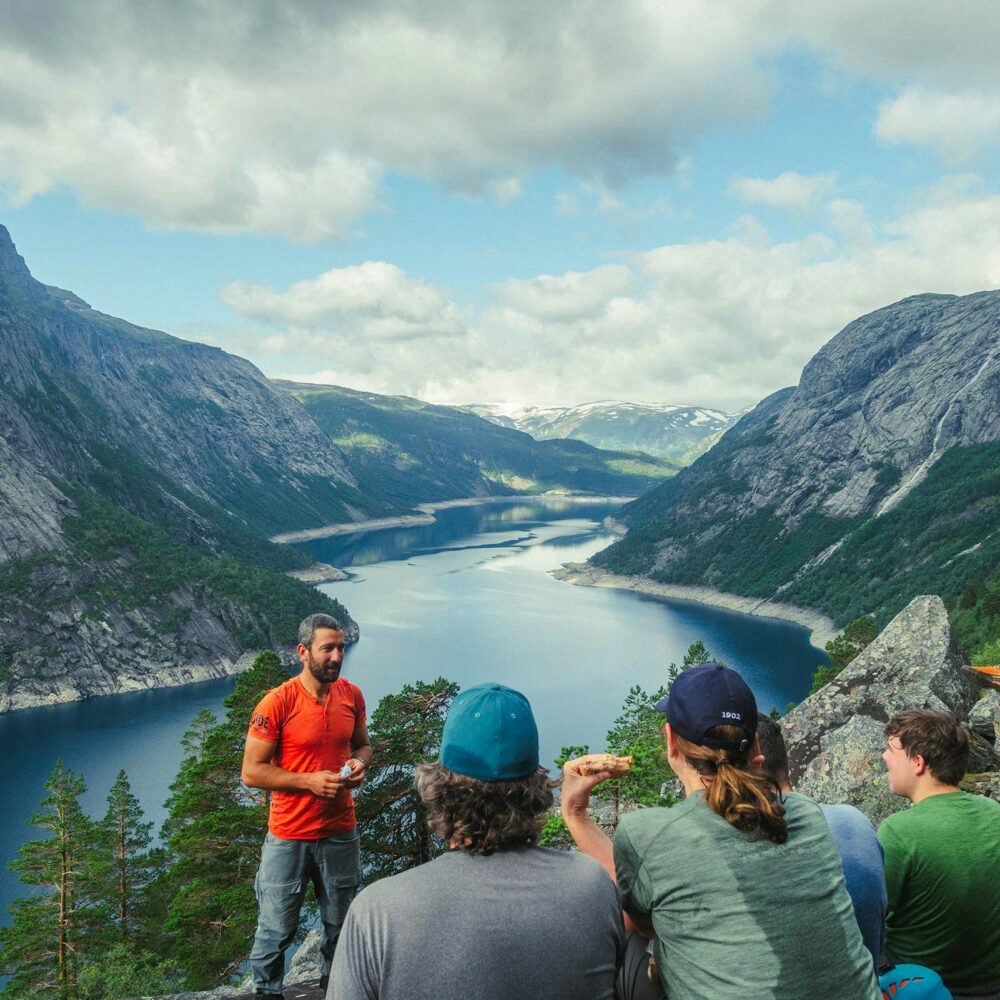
[747,799]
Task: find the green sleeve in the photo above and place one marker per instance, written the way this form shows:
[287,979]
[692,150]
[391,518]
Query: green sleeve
[897,862]
[633,881]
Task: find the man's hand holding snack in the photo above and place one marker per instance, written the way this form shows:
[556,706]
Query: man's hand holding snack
[353,772]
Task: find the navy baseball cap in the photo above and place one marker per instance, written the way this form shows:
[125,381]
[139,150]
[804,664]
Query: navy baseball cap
[490,734]
[710,695]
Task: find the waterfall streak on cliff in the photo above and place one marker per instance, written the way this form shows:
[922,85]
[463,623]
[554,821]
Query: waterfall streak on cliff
[920,473]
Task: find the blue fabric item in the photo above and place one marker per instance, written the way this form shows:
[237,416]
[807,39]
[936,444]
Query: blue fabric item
[912,982]
[710,695]
[333,865]
[490,734]
[861,855]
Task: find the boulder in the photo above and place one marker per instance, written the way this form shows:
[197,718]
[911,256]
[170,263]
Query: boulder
[836,737]
[849,769]
[984,719]
[305,966]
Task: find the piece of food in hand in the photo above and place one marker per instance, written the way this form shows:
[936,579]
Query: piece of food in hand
[595,763]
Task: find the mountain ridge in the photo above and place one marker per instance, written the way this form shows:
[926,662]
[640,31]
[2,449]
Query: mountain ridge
[792,504]
[678,433]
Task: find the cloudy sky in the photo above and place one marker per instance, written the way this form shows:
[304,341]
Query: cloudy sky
[505,201]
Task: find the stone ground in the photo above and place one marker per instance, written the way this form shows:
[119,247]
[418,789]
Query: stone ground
[297,991]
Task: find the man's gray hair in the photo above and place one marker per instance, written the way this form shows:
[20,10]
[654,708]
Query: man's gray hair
[309,625]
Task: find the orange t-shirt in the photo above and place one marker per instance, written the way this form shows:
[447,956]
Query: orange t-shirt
[310,735]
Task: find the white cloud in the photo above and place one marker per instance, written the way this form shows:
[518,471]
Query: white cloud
[245,116]
[953,45]
[957,126]
[941,58]
[788,190]
[719,323]
[376,298]
[565,297]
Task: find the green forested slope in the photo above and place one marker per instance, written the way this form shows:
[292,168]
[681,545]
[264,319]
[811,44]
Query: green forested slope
[409,451]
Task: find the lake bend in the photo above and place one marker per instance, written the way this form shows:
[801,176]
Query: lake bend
[468,598]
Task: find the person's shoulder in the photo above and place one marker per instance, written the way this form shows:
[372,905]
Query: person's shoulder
[282,695]
[980,803]
[573,863]
[897,826]
[393,892]
[644,824]
[349,691]
[802,803]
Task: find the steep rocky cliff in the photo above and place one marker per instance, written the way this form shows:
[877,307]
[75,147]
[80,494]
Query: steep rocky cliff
[84,396]
[875,479]
[139,476]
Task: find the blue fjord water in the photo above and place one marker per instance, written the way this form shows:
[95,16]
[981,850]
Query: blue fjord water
[468,598]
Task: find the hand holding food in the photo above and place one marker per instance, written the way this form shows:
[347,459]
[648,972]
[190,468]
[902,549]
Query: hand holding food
[580,776]
[595,763]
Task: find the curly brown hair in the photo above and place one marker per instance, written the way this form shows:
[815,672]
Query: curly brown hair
[484,816]
[747,799]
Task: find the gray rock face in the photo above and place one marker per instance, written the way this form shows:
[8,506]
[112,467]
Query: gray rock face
[304,968]
[182,435]
[836,737]
[874,412]
[985,718]
[84,393]
[849,768]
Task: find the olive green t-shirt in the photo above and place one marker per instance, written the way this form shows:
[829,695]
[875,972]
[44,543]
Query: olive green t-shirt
[942,872]
[741,917]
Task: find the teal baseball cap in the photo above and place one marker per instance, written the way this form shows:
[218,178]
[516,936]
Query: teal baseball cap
[490,734]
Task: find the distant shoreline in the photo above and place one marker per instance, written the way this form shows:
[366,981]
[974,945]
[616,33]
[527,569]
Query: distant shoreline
[821,628]
[427,515]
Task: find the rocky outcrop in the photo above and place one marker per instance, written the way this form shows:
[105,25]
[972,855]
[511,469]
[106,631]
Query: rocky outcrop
[836,737]
[303,969]
[984,719]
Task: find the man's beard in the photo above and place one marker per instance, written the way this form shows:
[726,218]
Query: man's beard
[324,674]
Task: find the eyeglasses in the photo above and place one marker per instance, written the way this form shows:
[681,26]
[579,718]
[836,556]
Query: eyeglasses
[893,746]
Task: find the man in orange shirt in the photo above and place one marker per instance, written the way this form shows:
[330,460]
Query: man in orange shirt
[308,745]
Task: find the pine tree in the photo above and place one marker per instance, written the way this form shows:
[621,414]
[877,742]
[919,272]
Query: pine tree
[637,732]
[844,649]
[122,866]
[696,653]
[214,833]
[405,730]
[45,944]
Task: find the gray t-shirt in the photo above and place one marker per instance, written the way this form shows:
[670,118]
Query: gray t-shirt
[741,917]
[530,922]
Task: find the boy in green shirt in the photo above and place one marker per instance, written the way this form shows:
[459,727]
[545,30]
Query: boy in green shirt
[942,858]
